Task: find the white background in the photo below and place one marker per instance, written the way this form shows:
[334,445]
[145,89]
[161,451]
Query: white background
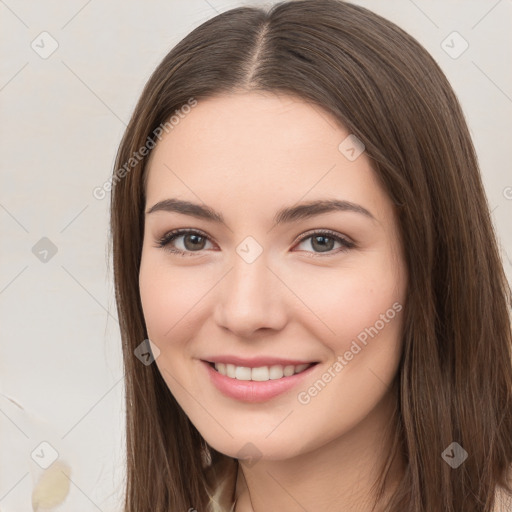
[61,122]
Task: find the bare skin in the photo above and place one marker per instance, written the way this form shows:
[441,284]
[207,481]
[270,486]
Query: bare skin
[246,156]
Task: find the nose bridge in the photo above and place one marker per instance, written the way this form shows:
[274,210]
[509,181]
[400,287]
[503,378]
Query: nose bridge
[250,297]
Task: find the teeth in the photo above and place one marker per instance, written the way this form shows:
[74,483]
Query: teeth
[260,374]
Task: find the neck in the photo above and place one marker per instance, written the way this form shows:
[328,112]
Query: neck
[340,475]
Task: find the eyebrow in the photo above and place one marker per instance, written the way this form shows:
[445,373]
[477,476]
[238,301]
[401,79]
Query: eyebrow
[285,215]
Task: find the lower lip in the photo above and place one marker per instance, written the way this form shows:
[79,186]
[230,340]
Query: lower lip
[251,390]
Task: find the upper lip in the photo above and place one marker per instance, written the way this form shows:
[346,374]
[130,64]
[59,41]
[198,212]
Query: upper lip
[256,362]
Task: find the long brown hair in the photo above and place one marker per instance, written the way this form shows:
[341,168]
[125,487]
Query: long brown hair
[455,377]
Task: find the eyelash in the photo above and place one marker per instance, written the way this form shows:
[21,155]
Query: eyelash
[172,235]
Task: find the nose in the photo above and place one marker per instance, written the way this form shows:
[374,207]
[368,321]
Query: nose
[251,298]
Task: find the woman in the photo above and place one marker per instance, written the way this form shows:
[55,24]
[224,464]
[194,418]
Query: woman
[300,229]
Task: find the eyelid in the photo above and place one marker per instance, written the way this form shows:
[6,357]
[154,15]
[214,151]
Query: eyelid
[324,231]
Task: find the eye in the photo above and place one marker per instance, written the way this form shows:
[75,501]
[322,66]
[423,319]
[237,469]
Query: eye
[323,242]
[193,241]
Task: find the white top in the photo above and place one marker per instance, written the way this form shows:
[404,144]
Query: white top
[223,495]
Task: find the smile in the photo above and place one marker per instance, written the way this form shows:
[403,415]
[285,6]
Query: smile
[258,383]
[260,374]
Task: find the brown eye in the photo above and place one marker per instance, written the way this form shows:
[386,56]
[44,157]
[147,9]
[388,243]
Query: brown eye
[324,242]
[187,241]
[193,242]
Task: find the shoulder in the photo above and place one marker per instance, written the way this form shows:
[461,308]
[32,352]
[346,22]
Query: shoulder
[503,499]
[221,478]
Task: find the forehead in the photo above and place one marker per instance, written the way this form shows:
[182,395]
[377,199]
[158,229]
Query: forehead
[259,149]
[256,124]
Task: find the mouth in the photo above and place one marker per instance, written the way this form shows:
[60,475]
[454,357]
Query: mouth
[257,381]
[260,373]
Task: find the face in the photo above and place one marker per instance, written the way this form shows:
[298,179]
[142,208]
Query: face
[299,305]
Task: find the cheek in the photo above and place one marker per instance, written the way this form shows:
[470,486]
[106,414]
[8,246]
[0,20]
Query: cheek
[366,317]
[157,305]
[347,303]
[366,310]
[169,299]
